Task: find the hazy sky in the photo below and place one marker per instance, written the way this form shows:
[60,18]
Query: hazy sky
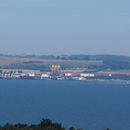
[65,26]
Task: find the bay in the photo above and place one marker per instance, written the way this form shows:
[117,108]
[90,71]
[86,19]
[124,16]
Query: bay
[82,104]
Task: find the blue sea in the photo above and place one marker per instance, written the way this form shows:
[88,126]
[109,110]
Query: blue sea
[82,104]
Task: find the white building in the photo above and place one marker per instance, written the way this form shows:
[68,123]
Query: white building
[31,74]
[68,74]
[45,76]
[87,75]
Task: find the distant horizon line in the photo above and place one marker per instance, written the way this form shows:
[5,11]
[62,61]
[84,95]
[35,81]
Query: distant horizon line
[31,54]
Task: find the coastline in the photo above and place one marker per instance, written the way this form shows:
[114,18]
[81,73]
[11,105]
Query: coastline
[113,81]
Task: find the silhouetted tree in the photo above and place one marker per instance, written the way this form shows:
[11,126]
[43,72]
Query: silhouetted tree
[71,128]
[107,129]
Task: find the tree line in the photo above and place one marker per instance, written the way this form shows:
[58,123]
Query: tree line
[45,124]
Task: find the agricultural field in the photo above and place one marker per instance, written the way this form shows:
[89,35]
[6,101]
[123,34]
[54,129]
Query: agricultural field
[44,64]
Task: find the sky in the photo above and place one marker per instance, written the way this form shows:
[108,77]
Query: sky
[65,27]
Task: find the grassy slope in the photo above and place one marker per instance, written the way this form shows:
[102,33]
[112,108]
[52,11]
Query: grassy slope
[98,62]
[35,63]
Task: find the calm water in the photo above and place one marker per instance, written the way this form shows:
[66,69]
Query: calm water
[87,105]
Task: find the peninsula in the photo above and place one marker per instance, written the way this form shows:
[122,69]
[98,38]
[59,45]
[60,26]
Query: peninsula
[65,67]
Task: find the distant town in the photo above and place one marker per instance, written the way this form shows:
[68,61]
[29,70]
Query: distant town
[56,73]
[76,67]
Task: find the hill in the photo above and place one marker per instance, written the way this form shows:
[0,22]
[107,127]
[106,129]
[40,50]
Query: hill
[17,62]
[44,62]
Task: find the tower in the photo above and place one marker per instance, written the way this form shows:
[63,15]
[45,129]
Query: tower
[55,70]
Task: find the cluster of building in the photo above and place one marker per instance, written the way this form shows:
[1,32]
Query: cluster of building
[18,74]
[56,73]
[70,74]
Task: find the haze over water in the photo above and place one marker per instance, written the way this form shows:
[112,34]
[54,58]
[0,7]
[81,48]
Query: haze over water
[88,105]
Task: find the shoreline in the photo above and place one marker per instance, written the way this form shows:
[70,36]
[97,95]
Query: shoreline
[87,80]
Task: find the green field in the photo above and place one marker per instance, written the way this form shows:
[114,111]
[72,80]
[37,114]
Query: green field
[44,64]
